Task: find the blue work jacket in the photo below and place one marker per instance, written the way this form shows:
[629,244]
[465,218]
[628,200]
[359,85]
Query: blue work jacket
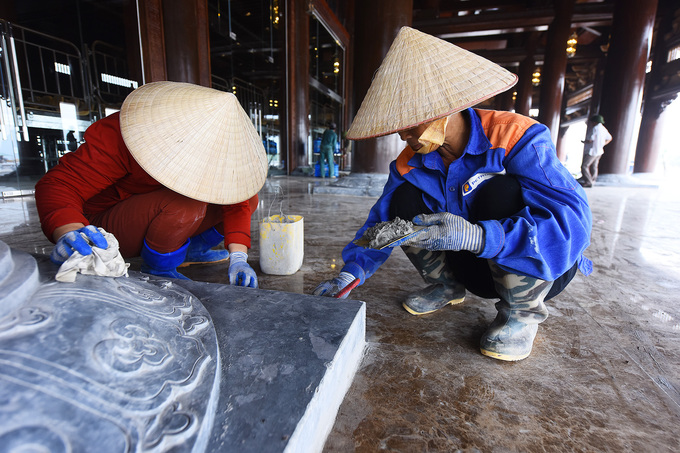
[543,240]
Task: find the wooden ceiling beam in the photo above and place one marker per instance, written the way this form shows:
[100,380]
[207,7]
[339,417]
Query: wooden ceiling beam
[452,7]
[585,15]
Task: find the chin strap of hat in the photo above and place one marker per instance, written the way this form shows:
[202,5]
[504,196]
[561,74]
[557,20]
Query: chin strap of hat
[434,136]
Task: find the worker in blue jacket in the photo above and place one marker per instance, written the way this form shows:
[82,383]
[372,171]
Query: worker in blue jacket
[502,216]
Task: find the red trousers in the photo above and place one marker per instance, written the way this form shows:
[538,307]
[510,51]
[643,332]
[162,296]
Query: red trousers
[164,218]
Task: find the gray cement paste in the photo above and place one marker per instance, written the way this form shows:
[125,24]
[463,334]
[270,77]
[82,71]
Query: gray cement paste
[385,232]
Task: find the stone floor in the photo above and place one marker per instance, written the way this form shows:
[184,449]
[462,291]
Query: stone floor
[605,371]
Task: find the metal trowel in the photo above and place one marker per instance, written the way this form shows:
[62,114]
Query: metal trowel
[363,241]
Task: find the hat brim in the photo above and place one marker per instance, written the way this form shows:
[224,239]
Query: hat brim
[424,78]
[196,141]
[429,120]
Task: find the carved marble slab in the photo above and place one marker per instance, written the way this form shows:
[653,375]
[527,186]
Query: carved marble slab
[142,364]
[103,364]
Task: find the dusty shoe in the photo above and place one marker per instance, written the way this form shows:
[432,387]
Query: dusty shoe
[433,298]
[507,338]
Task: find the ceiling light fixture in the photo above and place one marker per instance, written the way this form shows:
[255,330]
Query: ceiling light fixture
[571,45]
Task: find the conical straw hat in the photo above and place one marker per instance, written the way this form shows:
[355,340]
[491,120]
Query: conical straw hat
[423,78]
[194,140]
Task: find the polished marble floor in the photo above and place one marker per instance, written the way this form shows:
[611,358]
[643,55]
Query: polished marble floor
[605,371]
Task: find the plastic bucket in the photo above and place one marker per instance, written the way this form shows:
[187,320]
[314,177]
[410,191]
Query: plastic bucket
[281,244]
[317,170]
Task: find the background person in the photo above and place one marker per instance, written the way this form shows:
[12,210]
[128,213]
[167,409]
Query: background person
[329,141]
[593,150]
[504,218]
[172,175]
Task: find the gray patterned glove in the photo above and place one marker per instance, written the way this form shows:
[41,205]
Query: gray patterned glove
[446,231]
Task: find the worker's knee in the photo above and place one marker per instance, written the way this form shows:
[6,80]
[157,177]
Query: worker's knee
[176,219]
[183,212]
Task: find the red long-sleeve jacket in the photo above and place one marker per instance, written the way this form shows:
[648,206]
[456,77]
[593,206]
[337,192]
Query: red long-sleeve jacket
[102,173]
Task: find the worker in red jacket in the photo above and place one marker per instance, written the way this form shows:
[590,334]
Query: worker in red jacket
[172,175]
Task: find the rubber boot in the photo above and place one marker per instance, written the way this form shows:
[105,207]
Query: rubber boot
[200,246]
[163,264]
[511,335]
[443,289]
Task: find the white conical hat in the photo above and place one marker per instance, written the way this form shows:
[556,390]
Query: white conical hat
[423,78]
[194,140]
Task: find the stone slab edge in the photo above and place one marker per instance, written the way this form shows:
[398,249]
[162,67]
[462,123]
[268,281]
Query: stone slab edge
[319,418]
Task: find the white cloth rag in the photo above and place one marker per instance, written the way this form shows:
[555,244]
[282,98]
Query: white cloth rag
[104,262]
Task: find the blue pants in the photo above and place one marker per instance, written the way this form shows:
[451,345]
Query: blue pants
[326,154]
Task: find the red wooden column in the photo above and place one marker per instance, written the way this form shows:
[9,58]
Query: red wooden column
[526,69]
[594,106]
[624,78]
[560,146]
[655,98]
[651,134]
[524,86]
[504,101]
[174,40]
[377,23]
[187,43]
[552,76]
[296,130]
[150,39]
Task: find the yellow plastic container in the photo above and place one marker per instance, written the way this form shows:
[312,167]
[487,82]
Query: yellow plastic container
[281,244]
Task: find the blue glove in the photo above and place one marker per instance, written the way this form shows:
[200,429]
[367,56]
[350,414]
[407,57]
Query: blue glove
[80,241]
[330,288]
[240,273]
[446,231]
